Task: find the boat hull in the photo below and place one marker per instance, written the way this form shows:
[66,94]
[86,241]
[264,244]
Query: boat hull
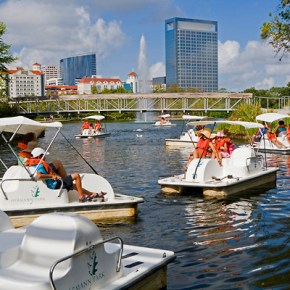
[220,189]
[178,142]
[104,212]
[103,135]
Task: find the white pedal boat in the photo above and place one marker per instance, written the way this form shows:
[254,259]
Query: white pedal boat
[65,251]
[98,134]
[245,169]
[164,121]
[265,145]
[188,137]
[24,198]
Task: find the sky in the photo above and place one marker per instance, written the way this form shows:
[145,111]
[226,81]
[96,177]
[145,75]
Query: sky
[129,35]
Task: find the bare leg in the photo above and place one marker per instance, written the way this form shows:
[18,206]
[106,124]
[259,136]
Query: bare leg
[78,185]
[59,168]
[82,191]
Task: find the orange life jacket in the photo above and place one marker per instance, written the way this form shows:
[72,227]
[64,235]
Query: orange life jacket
[35,161]
[22,145]
[202,146]
[24,154]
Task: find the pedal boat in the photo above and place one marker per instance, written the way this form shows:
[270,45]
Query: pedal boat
[24,198]
[66,251]
[188,137]
[265,145]
[165,121]
[99,134]
[245,169]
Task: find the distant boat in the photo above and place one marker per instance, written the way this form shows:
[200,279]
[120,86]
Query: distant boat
[188,137]
[266,145]
[94,133]
[164,121]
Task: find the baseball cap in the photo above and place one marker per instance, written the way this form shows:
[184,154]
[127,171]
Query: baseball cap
[38,151]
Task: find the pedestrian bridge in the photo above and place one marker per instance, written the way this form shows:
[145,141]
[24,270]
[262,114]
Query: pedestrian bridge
[165,102]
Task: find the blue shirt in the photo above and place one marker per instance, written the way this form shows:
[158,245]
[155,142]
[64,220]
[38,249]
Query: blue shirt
[49,182]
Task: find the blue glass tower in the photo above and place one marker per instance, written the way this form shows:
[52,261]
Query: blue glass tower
[191,51]
[74,68]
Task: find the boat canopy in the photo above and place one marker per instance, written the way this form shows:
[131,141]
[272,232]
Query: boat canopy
[271,117]
[23,125]
[189,117]
[94,117]
[165,116]
[245,124]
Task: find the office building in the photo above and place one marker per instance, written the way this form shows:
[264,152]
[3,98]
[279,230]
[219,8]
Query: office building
[73,69]
[51,72]
[191,49]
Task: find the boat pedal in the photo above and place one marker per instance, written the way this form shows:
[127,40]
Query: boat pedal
[134,264]
[130,255]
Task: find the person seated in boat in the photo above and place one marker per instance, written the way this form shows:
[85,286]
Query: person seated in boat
[98,126]
[204,147]
[221,145]
[91,129]
[54,181]
[25,139]
[85,128]
[273,138]
[288,133]
[281,130]
[26,153]
[260,133]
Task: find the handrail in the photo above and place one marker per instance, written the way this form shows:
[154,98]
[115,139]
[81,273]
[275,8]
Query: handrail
[26,179]
[77,253]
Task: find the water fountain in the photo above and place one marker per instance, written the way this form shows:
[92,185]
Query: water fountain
[143,76]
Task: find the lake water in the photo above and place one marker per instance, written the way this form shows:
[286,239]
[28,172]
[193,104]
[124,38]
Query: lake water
[233,243]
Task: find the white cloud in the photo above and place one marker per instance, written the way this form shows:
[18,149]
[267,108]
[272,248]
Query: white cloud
[254,66]
[39,32]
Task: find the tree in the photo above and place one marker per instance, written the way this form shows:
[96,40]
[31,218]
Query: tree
[5,56]
[277,31]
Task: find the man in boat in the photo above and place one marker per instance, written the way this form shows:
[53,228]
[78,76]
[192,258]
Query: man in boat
[261,132]
[85,128]
[98,126]
[54,181]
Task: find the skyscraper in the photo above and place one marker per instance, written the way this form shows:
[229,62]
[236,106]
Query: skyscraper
[191,48]
[74,68]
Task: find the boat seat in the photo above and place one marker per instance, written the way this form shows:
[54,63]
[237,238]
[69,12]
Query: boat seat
[52,237]
[241,162]
[17,180]
[10,241]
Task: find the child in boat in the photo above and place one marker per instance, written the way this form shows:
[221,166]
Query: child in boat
[54,181]
[204,147]
[272,137]
[221,145]
[26,153]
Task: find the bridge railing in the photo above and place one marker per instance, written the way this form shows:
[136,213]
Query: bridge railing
[147,102]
